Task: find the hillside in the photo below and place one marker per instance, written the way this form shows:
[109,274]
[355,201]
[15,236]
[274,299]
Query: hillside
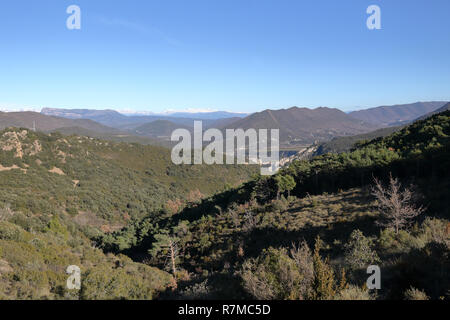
[442,109]
[161,129]
[257,241]
[35,252]
[49,123]
[58,193]
[116,137]
[396,115]
[115,209]
[99,179]
[345,144]
[302,126]
[222,123]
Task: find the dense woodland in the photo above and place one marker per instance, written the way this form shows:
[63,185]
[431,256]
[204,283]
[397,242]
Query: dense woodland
[141,228]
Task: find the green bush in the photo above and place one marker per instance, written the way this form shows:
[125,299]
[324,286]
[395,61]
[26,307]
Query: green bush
[358,251]
[9,231]
[273,275]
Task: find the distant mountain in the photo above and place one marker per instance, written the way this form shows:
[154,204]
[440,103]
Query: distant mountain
[216,115]
[80,113]
[442,109]
[80,127]
[303,126]
[386,116]
[49,123]
[118,120]
[161,129]
[107,117]
[219,123]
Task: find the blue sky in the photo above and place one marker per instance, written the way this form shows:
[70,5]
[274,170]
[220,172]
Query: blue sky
[236,55]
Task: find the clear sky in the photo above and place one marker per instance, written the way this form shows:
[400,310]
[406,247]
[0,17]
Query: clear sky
[236,55]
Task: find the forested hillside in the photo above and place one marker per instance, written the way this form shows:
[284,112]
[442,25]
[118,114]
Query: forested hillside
[311,231]
[346,144]
[41,174]
[58,193]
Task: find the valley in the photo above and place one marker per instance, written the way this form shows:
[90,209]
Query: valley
[115,209]
[224,159]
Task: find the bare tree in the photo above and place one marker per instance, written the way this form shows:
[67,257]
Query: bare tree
[396,204]
[173,254]
[304,260]
[168,246]
[255,281]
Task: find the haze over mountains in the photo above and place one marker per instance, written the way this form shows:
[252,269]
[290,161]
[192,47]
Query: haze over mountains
[298,126]
[115,119]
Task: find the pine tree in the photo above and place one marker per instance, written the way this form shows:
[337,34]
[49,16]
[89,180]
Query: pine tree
[324,282]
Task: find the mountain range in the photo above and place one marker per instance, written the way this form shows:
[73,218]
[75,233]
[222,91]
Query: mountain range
[118,120]
[115,210]
[302,126]
[299,127]
[44,122]
[442,109]
[387,116]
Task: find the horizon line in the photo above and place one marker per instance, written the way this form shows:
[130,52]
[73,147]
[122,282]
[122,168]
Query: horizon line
[17,108]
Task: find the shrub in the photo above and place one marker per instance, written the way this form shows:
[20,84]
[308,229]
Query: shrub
[198,291]
[437,230]
[353,293]
[358,251]
[9,231]
[415,294]
[403,242]
[273,275]
[305,264]
[57,227]
[324,286]
[105,283]
[279,205]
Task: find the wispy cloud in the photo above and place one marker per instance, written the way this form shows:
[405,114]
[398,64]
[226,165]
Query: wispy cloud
[139,27]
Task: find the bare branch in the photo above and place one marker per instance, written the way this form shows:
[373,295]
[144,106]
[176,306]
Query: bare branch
[396,204]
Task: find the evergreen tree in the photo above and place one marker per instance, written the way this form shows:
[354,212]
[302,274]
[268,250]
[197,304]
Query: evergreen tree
[324,282]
